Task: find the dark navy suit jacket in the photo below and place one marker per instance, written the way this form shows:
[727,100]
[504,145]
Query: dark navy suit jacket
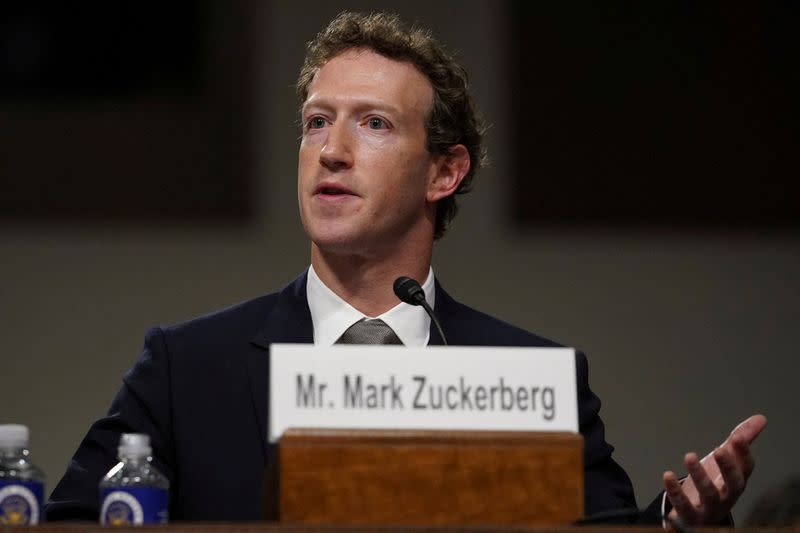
[200,390]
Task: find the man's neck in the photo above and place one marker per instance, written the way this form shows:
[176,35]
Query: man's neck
[367,284]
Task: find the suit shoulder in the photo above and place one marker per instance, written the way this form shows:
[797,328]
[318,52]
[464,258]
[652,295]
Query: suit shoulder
[468,326]
[240,320]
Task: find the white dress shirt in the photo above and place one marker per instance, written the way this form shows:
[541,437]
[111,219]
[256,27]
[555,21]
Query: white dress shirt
[331,315]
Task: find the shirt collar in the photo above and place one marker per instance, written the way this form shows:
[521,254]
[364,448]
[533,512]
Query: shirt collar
[331,315]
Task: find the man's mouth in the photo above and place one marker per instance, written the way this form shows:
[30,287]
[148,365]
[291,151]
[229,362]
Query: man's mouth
[332,189]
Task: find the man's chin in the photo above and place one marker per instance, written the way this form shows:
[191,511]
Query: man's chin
[338,244]
[352,246]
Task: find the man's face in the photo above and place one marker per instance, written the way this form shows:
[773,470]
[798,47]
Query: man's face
[364,170]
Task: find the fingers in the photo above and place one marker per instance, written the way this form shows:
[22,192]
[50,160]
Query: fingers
[711,502]
[735,462]
[733,476]
[708,492]
[742,454]
[680,502]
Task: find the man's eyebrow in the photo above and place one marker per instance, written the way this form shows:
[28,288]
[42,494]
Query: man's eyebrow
[357,104]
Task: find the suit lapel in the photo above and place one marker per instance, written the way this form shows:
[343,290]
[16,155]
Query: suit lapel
[443,309]
[289,321]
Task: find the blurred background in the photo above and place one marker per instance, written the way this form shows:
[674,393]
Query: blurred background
[641,205]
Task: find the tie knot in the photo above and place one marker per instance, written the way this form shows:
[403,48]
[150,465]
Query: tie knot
[369,331]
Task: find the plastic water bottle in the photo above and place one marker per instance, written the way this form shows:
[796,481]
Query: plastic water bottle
[21,482]
[134,492]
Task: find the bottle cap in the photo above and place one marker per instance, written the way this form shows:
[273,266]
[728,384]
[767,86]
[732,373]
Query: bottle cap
[14,436]
[134,445]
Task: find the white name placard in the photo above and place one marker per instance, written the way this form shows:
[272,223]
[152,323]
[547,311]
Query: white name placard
[438,387]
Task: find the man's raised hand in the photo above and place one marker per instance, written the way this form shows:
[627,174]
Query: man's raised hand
[714,483]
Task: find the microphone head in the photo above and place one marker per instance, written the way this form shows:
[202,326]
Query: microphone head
[409,290]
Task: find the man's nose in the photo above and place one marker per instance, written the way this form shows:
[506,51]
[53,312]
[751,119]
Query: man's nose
[336,153]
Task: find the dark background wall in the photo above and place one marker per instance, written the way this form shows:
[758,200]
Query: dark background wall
[669,115]
[689,328]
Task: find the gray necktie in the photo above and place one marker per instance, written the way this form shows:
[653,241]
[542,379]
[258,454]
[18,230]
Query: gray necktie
[369,331]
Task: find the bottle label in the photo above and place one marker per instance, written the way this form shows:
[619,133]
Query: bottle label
[124,506]
[20,502]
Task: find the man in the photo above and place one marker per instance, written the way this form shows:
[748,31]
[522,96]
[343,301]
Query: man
[390,135]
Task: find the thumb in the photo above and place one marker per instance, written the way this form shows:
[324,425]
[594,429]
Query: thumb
[749,429]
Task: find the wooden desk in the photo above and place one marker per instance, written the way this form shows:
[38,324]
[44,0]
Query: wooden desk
[282,528]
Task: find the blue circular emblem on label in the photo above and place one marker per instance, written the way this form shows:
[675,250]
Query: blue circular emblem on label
[121,509]
[18,506]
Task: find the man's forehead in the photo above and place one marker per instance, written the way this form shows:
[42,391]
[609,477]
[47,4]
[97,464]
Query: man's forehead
[363,74]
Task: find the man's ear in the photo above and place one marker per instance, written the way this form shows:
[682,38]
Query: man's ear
[451,167]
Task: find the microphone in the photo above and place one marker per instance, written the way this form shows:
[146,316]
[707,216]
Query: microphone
[410,292]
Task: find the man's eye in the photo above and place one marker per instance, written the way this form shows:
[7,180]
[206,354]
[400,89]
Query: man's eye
[377,124]
[315,123]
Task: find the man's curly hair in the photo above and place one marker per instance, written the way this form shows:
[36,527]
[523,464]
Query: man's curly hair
[453,118]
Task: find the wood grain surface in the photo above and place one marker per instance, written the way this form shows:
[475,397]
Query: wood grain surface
[430,477]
